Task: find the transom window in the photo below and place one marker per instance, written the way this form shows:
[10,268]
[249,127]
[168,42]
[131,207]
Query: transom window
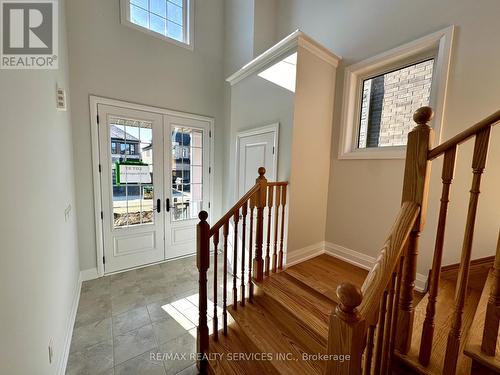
[388,102]
[167,19]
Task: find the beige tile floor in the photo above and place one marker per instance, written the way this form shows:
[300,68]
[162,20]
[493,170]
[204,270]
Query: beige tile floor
[138,322]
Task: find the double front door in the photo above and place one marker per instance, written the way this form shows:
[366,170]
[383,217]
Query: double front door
[154,171]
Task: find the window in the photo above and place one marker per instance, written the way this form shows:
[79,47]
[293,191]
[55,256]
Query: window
[388,102]
[382,93]
[167,19]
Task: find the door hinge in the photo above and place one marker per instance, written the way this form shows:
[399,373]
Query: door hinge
[273,150]
[100,169]
[103,260]
[209,169]
[97,119]
[210,134]
[102,215]
[208,204]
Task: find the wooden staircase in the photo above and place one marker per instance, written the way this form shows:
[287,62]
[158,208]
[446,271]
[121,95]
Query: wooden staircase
[273,319]
[288,318]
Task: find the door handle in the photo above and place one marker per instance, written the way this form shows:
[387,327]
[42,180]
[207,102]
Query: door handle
[158,205]
[168,204]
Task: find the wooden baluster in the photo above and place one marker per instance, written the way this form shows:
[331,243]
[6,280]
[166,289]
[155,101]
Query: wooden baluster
[369,351]
[394,327]
[225,233]
[276,217]
[269,216]
[250,249]
[380,333]
[415,189]
[454,336]
[388,326]
[428,326]
[216,286]
[243,249]
[491,321]
[202,263]
[283,203]
[236,219]
[346,333]
[258,265]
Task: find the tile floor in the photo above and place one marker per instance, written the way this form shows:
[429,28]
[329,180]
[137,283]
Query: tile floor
[133,323]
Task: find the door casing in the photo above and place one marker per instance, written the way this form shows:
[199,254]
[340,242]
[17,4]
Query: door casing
[94,101]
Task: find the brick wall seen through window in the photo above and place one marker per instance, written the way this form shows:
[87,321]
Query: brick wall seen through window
[388,103]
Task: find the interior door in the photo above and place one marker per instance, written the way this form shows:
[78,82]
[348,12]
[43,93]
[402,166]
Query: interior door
[187,179]
[255,149]
[131,160]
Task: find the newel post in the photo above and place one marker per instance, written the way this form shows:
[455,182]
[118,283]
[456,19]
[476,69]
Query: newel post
[202,262]
[260,204]
[347,333]
[415,189]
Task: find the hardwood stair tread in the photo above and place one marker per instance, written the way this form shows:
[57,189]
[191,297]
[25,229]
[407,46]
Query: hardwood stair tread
[267,334]
[443,319]
[474,340]
[234,342]
[304,303]
[325,273]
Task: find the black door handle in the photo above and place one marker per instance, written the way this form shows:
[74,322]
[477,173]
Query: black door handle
[158,205]
[168,204]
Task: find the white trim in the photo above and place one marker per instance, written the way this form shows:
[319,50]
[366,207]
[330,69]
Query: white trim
[188,31]
[271,128]
[94,130]
[280,49]
[442,42]
[365,261]
[69,328]
[306,253]
[89,274]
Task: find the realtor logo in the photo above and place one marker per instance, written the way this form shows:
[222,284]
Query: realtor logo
[29,34]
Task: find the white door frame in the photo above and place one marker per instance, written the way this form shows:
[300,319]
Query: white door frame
[94,101]
[271,128]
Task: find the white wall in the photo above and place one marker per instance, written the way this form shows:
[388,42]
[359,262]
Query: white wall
[115,61]
[365,195]
[39,256]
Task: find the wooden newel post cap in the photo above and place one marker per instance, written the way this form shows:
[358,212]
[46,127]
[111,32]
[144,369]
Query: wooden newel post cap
[350,297]
[423,115]
[262,171]
[203,215]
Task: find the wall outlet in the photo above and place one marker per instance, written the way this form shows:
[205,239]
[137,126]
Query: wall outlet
[67,213]
[51,351]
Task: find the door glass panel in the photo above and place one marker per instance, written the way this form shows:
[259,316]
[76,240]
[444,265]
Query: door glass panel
[131,171]
[187,173]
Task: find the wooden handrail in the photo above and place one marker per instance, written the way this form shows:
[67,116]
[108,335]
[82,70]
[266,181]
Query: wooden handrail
[381,273]
[234,209]
[491,120]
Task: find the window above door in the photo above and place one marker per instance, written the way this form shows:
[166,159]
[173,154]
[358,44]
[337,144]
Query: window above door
[170,20]
[382,93]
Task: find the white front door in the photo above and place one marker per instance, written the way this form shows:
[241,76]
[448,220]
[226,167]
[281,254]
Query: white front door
[154,181]
[186,181]
[256,148]
[132,187]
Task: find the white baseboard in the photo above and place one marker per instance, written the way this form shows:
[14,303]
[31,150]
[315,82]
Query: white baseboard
[301,255]
[89,274]
[69,330]
[365,261]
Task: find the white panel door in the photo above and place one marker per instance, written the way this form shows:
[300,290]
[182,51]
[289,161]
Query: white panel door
[186,181]
[255,149]
[131,158]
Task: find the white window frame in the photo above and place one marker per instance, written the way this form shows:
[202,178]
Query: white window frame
[188,28]
[438,46]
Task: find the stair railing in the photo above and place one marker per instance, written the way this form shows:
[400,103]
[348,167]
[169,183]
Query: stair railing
[383,310]
[263,195]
